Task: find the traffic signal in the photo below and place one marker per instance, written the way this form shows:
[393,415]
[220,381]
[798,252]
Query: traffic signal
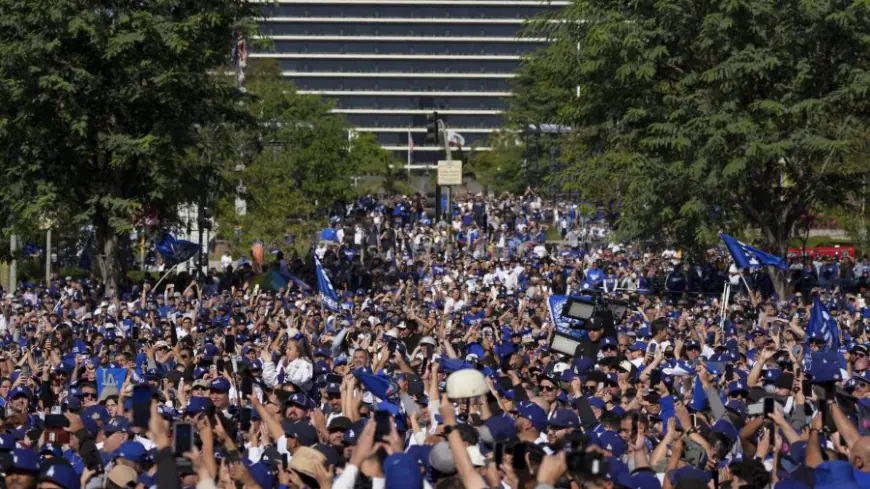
[432,133]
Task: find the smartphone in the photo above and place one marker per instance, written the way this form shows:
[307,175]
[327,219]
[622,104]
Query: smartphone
[247,386]
[56,420]
[498,453]
[768,405]
[333,379]
[382,425]
[230,344]
[391,346]
[519,456]
[245,419]
[652,349]
[58,436]
[807,387]
[221,365]
[134,332]
[174,334]
[694,420]
[182,442]
[142,399]
[729,371]
[655,377]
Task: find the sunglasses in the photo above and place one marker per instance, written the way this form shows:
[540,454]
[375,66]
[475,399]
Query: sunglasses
[89,395]
[548,388]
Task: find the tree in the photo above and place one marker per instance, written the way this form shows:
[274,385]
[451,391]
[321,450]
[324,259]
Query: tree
[700,117]
[500,169]
[303,166]
[100,105]
[390,175]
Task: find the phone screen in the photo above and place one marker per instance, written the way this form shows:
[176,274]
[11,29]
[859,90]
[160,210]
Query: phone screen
[333,379]
[519,456]
[221,365]
[768,405]
[729,371]
[498,453]
[655,377]
[230,343]
[382,425]
[807,386]
[134,332]
[142,406]
[245,419]
[247,386]
[182,442]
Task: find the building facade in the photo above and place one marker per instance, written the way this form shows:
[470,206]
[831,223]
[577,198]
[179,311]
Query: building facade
[390,63]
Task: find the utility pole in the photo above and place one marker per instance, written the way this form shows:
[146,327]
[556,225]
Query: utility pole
[13,273]
[47,256]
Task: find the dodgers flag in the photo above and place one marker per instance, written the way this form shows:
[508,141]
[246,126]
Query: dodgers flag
[110,378]
[563,324]
[328,297]
[746,256]
[823,324]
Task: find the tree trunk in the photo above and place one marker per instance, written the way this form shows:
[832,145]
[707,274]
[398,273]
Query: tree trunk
[777,242]
[109,258]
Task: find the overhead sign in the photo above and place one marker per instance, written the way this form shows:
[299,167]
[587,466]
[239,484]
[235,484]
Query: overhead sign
[449,172]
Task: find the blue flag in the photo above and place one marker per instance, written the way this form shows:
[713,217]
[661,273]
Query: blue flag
[176,250]
[110,378]
[328,297]
[564,325]
[824,325]
[746,256]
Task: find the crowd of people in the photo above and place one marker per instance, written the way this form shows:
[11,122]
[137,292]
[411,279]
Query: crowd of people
[436,368]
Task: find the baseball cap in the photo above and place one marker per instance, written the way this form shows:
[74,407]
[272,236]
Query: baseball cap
[132,451]
[533,413]
[219,384]
[60,472]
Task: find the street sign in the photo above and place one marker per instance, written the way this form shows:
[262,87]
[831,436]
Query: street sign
[449,172]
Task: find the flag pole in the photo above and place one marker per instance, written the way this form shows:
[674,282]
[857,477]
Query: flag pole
[166,275]
[410,151]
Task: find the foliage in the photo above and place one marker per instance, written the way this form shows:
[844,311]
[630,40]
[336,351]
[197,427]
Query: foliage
[500,169]
[857,226]
[99,105]
[304,163]
[390,175]
[705,117]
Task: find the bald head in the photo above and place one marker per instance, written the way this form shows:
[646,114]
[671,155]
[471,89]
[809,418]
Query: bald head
[859,454]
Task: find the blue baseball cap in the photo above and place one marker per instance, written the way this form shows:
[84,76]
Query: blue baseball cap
[7,443]
[219,384]
[564,418]
[20,391]
[132,451]
[25,460]
[612,442]
[637,346]
[737,387]
[301,400]
[60,472]
[118,424]
[533,413]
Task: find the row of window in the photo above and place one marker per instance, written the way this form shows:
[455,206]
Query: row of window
[398,65]
[493,11]
[399,47]
[418,102]
[410,84]
[390,29]
[419,120]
